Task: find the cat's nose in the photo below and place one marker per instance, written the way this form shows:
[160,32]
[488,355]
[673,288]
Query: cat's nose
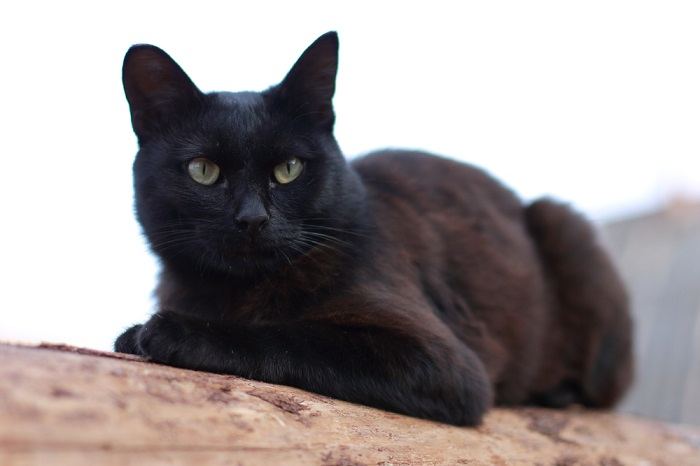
[252,223]
[252,215]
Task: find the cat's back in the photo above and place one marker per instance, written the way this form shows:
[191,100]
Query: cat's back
[435,185]
[452,219]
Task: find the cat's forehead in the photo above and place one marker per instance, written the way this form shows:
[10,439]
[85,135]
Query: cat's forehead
[242,111]
[243,101]
[240,107]
[235,120]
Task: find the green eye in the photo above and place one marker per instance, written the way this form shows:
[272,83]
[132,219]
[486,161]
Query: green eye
[203,171]
[288,171]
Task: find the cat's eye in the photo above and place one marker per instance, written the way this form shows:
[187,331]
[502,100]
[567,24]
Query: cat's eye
[288,171]
[203,171]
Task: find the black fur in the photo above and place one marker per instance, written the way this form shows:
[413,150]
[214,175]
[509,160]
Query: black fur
[402,281]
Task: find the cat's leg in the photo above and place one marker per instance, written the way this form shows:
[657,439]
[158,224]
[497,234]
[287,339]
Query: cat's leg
[592,312]
[363,364]
[126,342]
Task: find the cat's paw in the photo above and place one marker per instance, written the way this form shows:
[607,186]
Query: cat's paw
[166,339]
[127,341]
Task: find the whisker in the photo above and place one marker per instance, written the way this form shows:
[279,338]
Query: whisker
[311,242]
[338,230]
[285,256]
[328,238]
[302,253]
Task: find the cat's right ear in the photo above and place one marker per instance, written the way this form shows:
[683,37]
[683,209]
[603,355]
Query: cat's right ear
[157,89]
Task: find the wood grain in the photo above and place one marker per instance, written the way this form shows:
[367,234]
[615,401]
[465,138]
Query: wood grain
[61,405]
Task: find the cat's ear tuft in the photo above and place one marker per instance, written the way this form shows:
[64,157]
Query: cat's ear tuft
[157,89]
[307,90]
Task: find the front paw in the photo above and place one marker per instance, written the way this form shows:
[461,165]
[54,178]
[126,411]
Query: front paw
[127,341]
[168,340]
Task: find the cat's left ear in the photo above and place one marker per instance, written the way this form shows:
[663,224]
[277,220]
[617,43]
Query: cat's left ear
[307,90]
[157,89]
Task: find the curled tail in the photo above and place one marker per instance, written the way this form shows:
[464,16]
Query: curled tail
[591,305]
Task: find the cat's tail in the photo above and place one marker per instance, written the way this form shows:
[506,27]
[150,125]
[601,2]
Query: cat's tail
[591,302]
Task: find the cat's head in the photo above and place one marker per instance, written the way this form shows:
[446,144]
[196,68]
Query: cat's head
[239,182]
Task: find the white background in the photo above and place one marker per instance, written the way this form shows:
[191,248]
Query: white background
[594,102]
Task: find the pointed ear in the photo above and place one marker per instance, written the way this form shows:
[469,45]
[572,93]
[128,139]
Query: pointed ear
[307,90]
[157,89]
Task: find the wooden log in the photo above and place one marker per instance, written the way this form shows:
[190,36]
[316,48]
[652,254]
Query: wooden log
[61,405]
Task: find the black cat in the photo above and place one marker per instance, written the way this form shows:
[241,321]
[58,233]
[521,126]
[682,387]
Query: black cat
[401,280]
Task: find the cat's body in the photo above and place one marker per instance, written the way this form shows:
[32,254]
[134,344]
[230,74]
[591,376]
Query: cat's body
[403,281]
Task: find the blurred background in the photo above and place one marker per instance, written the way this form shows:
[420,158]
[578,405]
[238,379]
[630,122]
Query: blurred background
[596,103]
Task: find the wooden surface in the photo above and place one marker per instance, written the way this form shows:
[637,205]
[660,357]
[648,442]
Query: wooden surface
[62,405]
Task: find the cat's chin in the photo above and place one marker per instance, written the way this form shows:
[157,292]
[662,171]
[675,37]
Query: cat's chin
[249,264]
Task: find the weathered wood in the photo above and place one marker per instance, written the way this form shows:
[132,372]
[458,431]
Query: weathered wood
[61,405]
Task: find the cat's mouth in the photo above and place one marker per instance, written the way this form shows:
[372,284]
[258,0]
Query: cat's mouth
[251,263]
[257,252]
[242,254]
